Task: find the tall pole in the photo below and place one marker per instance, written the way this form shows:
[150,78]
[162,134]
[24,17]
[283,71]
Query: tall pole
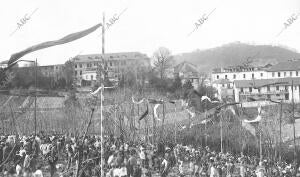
[280,138]
[294,131]
[175,127]
[35,85]
[103,34]
[163,121]
[260,146]
[205,134]
[221,132]
[101,126]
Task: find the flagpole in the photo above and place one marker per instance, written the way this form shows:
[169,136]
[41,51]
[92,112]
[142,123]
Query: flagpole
[294,131]
[101,126]
[175,127]
[35,93]
[221,117]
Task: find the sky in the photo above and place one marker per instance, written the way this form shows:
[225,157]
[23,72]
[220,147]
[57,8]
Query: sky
[145,26]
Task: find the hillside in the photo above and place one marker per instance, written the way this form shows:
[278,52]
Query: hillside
[237,53]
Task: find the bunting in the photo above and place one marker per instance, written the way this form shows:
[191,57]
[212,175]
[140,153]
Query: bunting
[191,113]
[144,114]
[96,91]
[137,102]
[155,111]
[69,38]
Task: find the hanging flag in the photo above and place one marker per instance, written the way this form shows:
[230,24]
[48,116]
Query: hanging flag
[153,101]
[257,119]
[155,111]
[191,113]
[172,101]
[137,102]
[69,38]
[184,103]
[96,91]
[205,98]
[249,127]
[144,114]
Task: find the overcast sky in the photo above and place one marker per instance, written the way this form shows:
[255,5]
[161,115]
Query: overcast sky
[145,25]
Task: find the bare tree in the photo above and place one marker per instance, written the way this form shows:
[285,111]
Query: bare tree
[163,61]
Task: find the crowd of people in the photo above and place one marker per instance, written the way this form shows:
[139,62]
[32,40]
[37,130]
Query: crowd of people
[66,155]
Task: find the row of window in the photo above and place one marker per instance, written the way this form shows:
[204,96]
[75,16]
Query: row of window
[268,89]
[244,76]
[285,74]
[111,63]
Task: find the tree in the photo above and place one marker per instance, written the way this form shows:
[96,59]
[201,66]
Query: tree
[163,61]
[176,85]
[69,73]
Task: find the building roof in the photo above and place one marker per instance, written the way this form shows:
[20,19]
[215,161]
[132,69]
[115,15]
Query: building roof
[4,62]
[286,66]
[263,82]
[186,67]
[110,56]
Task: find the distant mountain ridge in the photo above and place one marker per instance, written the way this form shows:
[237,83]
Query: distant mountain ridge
[237,53]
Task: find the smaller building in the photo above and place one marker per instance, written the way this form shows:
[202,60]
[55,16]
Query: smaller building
[4,64]
[187,71]
[54,71]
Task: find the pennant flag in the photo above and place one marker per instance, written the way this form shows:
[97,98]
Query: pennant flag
[137,102]
[155,111]
[257,119]
[172,101]
[249,127]
[153,101]
[191,113]
[96,91]
[69,38]
[144,114]
[205,98]
[184,103]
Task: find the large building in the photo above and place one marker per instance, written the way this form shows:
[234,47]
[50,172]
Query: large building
[242,83]
[118,64]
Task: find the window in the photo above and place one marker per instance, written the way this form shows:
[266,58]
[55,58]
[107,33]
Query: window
[252,75]
[92,77]
[258,90]
[268,88]
[286,96]
[225,76]
[296,73]
[284,73]
[278,74]
[261,74]
[291,73]
[273,74]
[277,87]
[277,95]
[234,76]
[244,76]
[250,89]
[286,88]
[223,85]
[217,76]
[80,73]
[242,90]
[75,66]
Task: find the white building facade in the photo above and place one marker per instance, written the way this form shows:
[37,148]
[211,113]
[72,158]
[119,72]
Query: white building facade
[248,83]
